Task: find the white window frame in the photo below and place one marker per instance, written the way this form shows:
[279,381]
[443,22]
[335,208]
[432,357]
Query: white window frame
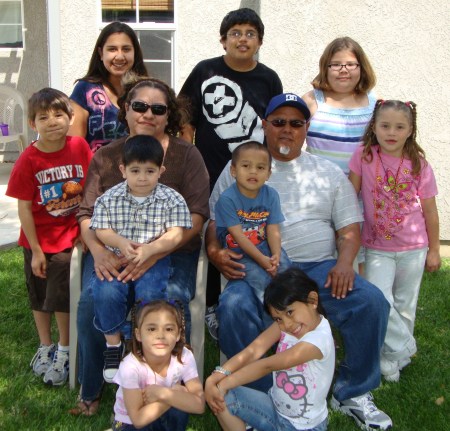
[149,26]
[7,48]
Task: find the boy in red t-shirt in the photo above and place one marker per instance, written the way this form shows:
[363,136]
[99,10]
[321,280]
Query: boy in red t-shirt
[47,180]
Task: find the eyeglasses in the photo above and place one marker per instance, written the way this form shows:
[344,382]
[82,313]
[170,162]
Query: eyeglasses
[236,34]
[143,107]
[296,124]
[338,67]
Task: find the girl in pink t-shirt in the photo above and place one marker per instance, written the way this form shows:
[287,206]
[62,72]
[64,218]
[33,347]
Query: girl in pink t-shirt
[158,381]
[401,226]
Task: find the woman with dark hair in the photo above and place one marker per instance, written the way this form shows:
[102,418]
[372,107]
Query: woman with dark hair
[94,98]
[147,107]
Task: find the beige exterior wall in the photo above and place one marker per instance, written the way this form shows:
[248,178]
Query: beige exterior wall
[406,40]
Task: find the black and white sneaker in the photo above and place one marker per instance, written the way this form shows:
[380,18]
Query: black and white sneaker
[113,356]
[211,322]
[364,411]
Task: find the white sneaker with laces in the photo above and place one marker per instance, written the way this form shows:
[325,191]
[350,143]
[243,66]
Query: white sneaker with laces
[364,411]
[42,359]
[58,372]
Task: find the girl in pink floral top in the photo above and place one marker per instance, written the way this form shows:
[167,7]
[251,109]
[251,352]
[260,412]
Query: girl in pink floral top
[401,227]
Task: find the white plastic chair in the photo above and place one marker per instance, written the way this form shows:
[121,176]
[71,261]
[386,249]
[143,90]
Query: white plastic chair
[13,112]
[196,307]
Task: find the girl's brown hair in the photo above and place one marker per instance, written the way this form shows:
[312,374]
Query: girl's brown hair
[367,80]
[141,310]
[412,150]
[97,72]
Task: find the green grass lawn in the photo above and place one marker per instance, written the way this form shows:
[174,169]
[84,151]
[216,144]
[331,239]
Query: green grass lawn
[419,402]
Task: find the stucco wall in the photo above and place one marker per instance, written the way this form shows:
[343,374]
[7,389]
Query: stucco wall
[406,41]
[79,31]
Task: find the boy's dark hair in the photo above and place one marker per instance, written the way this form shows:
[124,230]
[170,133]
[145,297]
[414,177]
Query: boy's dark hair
[97,72]
[288,287]
[241,16]
[250,145]
[142,148]
[48,99]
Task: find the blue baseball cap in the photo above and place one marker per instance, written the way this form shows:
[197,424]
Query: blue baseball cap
[288,99]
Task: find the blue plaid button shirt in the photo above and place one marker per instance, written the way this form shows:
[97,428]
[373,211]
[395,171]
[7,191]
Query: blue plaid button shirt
[142,222]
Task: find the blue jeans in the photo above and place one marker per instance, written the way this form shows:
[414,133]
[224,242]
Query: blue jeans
[111,298]
[361,319]
[91,342]
[256,408]
[258,277]
[172,420]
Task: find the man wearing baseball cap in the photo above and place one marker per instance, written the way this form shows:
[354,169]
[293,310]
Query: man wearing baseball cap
[322,215]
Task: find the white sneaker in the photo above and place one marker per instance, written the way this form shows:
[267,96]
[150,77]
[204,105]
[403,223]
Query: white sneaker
[58,371]
[364,411]
[42,359]
[390,370]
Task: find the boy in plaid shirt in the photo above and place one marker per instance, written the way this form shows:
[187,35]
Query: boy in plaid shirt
[137,219]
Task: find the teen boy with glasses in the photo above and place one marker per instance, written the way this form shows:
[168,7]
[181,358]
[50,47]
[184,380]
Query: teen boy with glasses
[228,97]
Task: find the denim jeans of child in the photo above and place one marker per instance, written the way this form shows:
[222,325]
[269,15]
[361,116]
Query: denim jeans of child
[256,408]
[361,318]
[111,298]
[172,420]
[258,277]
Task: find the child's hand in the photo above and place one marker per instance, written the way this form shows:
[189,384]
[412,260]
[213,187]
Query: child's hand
[142,253]
[213,396]
[151,393]
[275,261]
[39,264]
[433,261]
[128,249]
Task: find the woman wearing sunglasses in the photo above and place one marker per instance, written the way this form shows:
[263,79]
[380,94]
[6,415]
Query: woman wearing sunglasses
[94,97]
[147,107]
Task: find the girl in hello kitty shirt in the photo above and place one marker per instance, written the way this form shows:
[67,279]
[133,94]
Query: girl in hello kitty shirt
[302,367]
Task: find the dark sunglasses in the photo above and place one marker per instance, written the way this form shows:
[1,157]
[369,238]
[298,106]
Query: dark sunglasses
[143,107]
[296,124]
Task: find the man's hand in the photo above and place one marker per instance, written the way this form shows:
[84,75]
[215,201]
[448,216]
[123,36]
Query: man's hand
[225,261]
[132,272]
[340,279]
[106,263]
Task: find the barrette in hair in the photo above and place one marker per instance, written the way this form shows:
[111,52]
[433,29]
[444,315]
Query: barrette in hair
[409,105]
